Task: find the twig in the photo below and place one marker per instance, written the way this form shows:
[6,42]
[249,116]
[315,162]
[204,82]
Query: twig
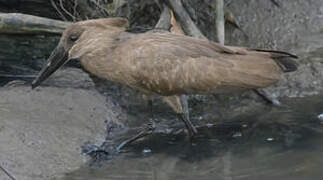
[66,11]
[230,19]
[7,173]
[164,20]
[58,11]
[220,22]
[74,8]
[101,8]
[185,20]
[228,3]
[275,3]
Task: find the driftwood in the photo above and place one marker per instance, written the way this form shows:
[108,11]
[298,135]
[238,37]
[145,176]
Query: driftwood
[164,20]
[26,42]
[185,20]
[15,23]
[220,22]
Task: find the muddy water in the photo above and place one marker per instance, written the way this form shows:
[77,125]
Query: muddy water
[278,143]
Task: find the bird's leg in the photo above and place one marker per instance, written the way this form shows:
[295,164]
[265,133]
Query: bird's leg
[185,117]
[180,106]
[150,107]
[147,129]
[149,99]
[266,97]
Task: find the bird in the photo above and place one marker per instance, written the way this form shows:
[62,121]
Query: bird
[161,63]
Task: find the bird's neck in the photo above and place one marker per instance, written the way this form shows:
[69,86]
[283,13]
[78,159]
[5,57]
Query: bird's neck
[101,59]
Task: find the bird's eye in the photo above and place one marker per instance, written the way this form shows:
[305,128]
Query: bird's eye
[73,38]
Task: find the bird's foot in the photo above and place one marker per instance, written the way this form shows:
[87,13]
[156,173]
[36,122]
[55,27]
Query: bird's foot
[191,129]
[266,97]
[192,134]
[99,153]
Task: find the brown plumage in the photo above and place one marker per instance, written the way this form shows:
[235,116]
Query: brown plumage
[158,62]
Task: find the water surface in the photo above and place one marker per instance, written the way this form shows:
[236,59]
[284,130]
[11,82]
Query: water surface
[279,143]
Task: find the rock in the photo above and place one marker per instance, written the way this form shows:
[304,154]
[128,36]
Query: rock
[70,78]
[42,130]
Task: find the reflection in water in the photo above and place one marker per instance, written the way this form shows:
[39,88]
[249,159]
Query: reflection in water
[282,143]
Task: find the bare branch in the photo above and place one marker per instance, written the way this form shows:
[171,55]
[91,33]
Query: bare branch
[15,23]
[100,7]
[220,22]
[58,11]
[74,8]
[7,173]
[185,20]
[164,20]
[68,13]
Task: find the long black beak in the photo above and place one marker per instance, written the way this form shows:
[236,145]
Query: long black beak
[57,59]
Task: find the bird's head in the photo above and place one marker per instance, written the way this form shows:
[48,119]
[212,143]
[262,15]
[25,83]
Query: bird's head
[77,39]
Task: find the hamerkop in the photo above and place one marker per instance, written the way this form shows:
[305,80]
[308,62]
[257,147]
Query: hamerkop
[169,65]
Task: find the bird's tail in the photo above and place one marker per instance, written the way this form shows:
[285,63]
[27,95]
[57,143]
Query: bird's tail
[283,59]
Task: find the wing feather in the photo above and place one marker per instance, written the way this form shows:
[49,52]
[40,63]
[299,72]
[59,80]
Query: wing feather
[169,64]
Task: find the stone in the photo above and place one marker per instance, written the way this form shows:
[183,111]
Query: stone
[42,130]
